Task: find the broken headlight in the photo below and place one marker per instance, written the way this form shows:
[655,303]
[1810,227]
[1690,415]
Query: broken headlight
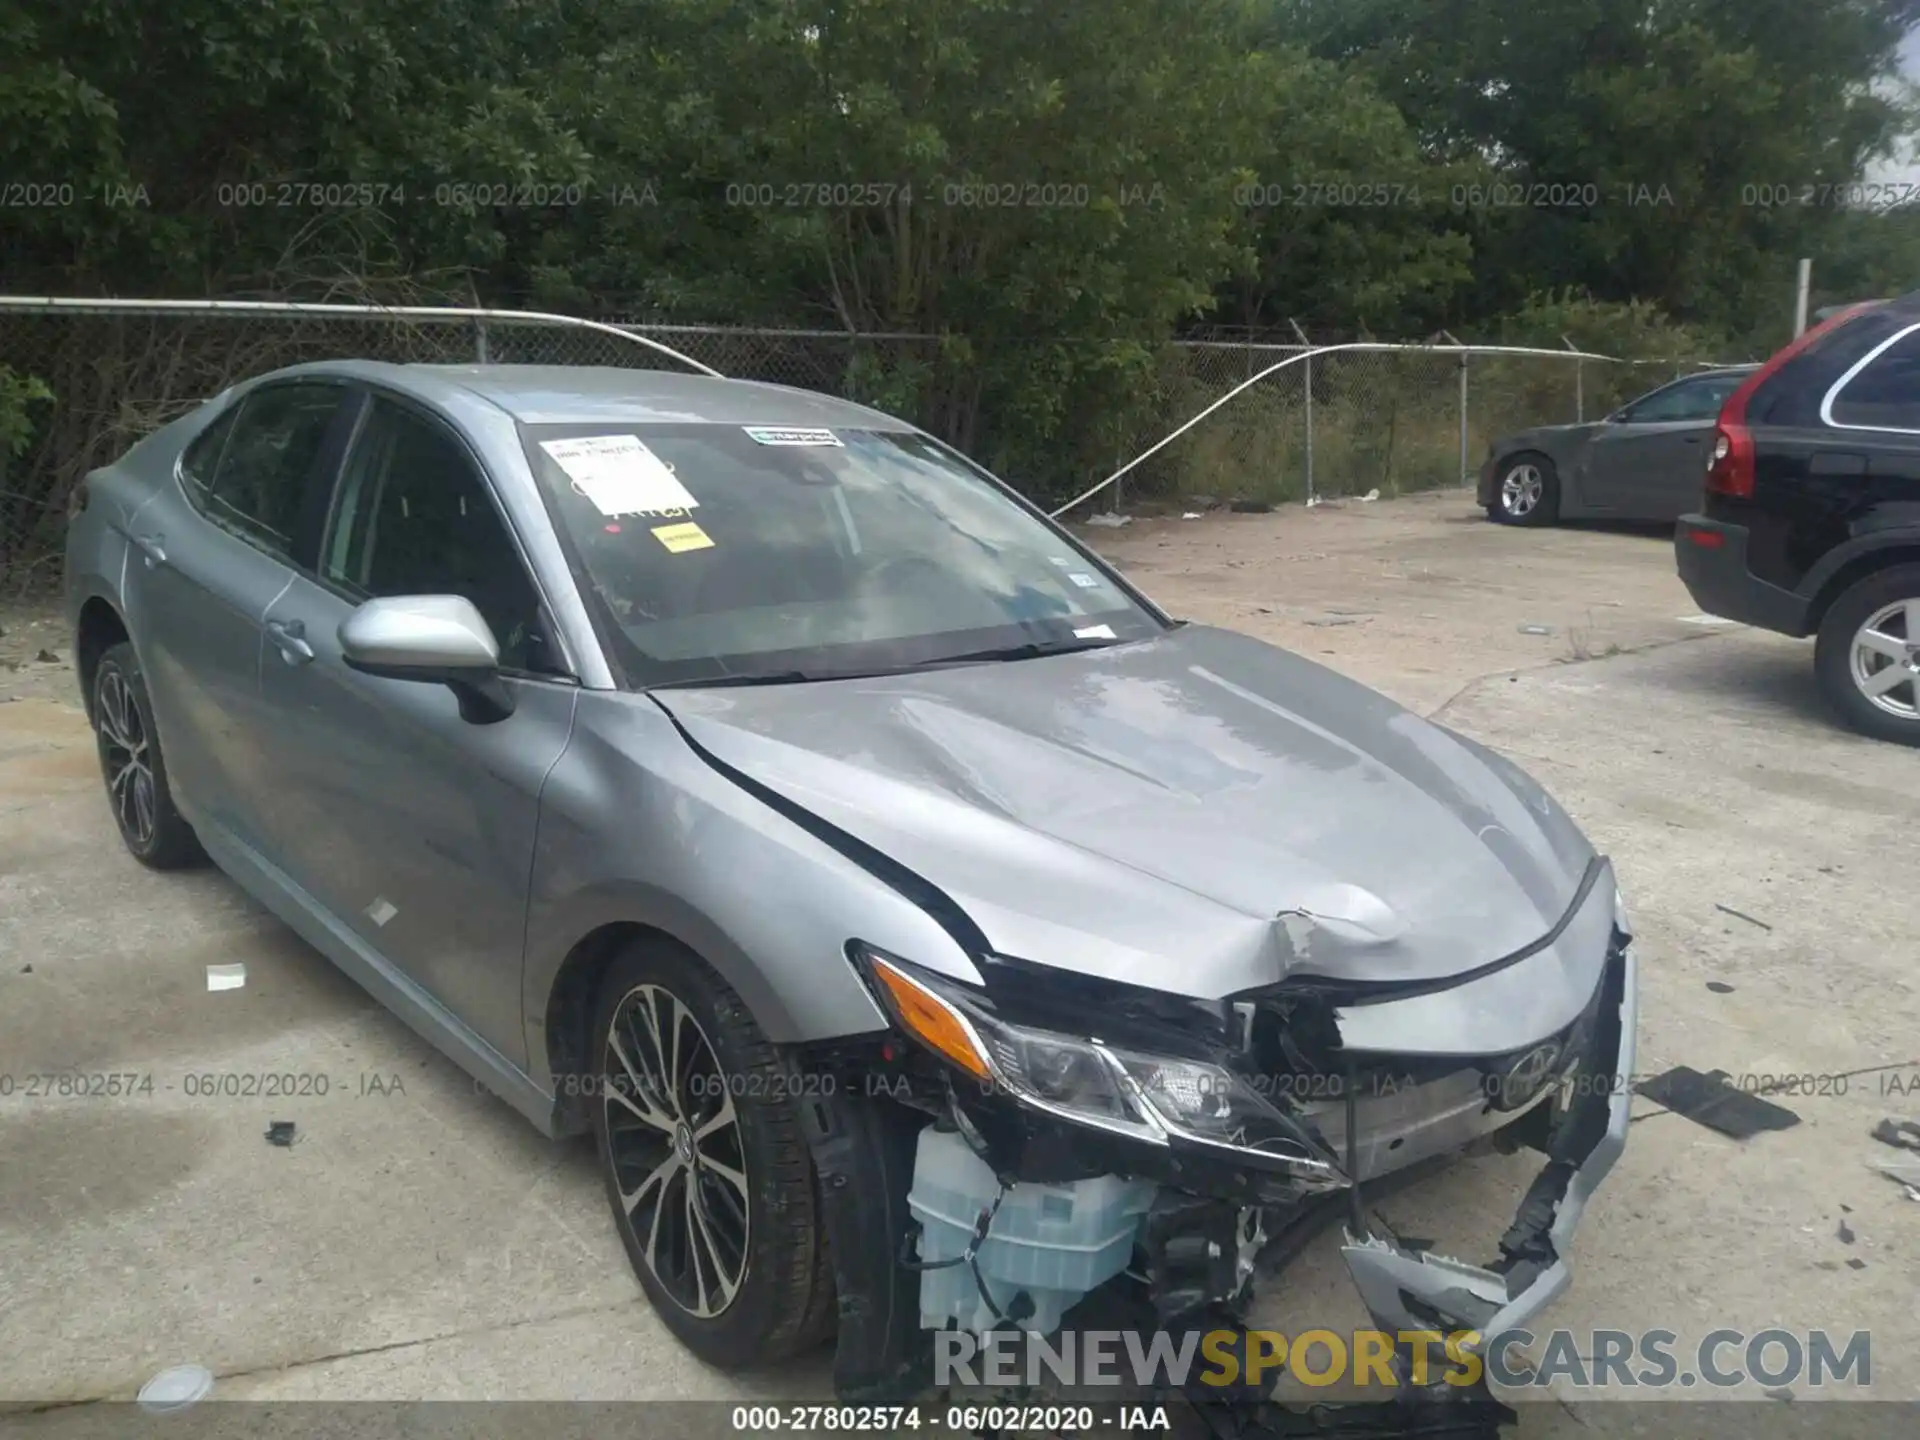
[1150,1097]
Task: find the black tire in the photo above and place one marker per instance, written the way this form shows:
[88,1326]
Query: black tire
[1522,500]
[782,1298]
[133,768]
[1846,660]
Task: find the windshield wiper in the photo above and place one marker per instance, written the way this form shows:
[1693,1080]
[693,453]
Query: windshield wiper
[1025,650]
[767,677]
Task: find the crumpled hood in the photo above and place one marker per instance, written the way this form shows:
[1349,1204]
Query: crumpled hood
[1200,813]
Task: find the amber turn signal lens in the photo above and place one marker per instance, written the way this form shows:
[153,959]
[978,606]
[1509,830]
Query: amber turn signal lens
[931,1020]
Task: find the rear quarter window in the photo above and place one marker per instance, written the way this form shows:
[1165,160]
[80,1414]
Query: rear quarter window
[1884,393]
[1793,394]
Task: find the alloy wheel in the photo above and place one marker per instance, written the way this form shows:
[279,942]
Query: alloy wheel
[678,1157]
[1521,489]
[1885,659]
[125,758]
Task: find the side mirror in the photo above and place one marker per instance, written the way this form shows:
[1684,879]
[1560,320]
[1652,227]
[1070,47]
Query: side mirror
[437,639]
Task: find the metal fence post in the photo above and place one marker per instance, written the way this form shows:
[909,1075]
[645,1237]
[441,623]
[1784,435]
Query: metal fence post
[1307,366]
[480,341]
[1463,417]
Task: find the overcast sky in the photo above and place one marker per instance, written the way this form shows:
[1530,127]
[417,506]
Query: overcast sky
[1905,166]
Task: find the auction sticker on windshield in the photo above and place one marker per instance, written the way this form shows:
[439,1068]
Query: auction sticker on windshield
[767,435]
[688,536]
[619,475]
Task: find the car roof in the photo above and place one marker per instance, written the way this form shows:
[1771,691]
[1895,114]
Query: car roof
[586,394]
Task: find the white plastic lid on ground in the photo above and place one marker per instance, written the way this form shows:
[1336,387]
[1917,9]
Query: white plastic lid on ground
[175,1388]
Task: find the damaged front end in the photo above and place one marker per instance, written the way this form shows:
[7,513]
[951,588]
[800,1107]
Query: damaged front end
[1056,1134]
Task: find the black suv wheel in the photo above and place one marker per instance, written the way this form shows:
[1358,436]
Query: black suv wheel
[1868,655]
[705,1162]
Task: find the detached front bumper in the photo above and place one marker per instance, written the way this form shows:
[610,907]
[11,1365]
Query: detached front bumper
[1408,1291]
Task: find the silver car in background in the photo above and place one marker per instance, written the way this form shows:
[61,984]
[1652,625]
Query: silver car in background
[895,892]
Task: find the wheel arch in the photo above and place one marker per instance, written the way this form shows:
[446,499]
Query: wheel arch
[1847,565]
[563,974]
[98,628]
[568,1019]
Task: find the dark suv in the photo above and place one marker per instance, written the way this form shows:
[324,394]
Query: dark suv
[1811,519]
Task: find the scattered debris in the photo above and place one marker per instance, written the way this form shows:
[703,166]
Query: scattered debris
[1740,915]
[1905,1174]
[1109,521]
[1191,515]
[1856,1263]
[26,969]
[1719,987]
[280,1132]
[1706,620]
[47,657]
[1901,1134]
[175,1388]
[1845,1234]
[1370,495]
[1782,1393]
[1251,507]
[1710,1101]
[1536,629]
[226,977]
[1335,620]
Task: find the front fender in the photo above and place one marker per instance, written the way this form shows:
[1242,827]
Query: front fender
[636,828]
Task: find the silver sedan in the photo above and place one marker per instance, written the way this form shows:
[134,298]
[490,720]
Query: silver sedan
[747,778]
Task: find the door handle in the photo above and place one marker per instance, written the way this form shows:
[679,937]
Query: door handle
[288,635]
[151,548]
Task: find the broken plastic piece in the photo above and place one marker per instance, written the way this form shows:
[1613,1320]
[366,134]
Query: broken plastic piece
[1536,629]
[1710,1101]
[1109,521]
[226,977]
[280,1132]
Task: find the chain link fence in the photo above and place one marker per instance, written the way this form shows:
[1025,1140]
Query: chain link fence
[1393,419]
[80,381]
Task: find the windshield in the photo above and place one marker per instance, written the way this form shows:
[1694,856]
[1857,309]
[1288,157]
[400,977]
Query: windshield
[729,552]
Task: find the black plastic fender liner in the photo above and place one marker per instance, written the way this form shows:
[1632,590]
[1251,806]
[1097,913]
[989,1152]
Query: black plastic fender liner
[863,1155]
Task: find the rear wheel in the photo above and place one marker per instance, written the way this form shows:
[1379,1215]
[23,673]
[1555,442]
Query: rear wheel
[1528,492]
[705,1162]
[1868,655]
[131,764]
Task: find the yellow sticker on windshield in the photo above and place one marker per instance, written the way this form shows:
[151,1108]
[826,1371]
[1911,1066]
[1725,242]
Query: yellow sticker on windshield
[682,537]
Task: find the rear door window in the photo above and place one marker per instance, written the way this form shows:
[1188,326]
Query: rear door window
[1884,393]
[268,475]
